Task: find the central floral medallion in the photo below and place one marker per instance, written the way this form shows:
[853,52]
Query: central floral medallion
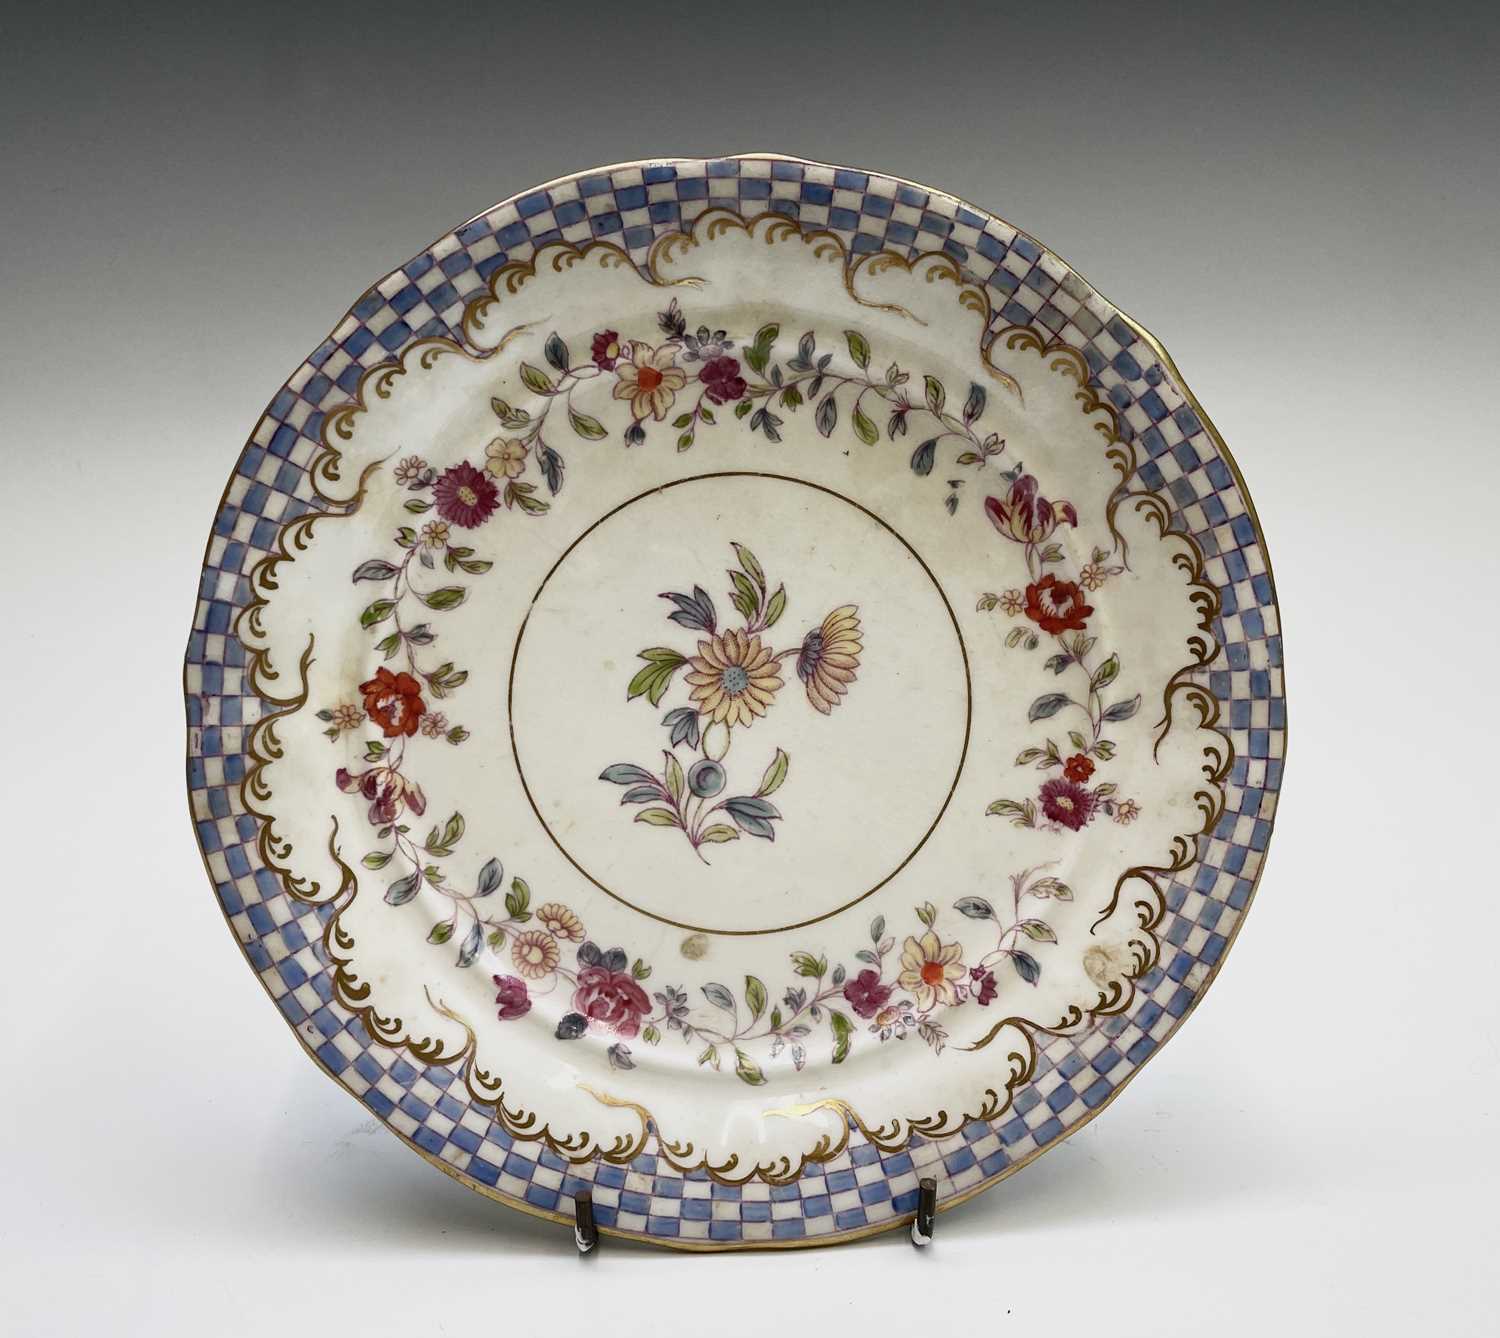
[733,680]
[710,692]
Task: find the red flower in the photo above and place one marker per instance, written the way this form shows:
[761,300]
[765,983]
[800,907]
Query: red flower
[465,496]
[1067,803]
[1024,515]
[723,379]
[389,792]
[513,998]
[1078,768]
[866,995]
[984,988]
[394,702]
[607,349]
[611,998]
[1056,606]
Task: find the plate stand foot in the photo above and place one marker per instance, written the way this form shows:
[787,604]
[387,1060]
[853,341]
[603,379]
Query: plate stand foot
[585,1232]
[921,1227]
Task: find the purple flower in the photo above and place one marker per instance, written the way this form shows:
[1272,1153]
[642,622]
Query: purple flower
[984,988]
[721,377]
[1066,803]
[866,995]
[513,998]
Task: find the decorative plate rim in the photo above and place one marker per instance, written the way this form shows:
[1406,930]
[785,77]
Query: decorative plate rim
[529,247]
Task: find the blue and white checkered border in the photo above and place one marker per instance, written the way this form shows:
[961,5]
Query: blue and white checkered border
[862,1190]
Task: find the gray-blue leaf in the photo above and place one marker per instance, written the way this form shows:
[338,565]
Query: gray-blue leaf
[403,889]
[1047,705]
[717,995]
[490,877]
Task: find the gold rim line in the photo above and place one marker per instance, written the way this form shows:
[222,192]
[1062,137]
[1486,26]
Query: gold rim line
[963,752]
[833,1238]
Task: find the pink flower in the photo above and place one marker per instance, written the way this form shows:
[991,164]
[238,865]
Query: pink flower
[465,496]
[611,998]
[1067,803]
[513,998]
[1025,515]
[389,792]
[866,995]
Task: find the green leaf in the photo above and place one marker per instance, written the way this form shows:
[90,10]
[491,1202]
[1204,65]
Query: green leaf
[747,598]
[775,774]
[517,899]
[859,348]
[377,612]
[864,429]
[755,996]
[776,607]
[586,425]
[674,776]
[759,353]
[449,597]
[685,442]
[658,817]
[1038,931]
[536,379]
[805,964]
[1106,673]
[936,395]
[441,932]
[743,407]
[748,562]
[718,834]
[653,680]
[377,859]
[416,506]
[746,1069]
[843,1031]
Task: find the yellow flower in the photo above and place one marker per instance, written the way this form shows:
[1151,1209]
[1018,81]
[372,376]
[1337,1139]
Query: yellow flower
[505,457]
[535,953]
[733,678]
[931,970]
[1092,576]
[649,379]
[557,919]
[1012,602]
[435,534]
[829,657]
[347,717]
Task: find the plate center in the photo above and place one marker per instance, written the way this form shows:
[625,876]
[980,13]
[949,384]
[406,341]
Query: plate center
[739,703]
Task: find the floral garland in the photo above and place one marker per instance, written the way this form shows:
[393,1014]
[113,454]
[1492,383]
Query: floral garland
[708,370]
[893,992]
[1057,607]
[733,680]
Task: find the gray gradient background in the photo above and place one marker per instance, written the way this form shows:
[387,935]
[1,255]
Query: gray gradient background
[1300,200]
